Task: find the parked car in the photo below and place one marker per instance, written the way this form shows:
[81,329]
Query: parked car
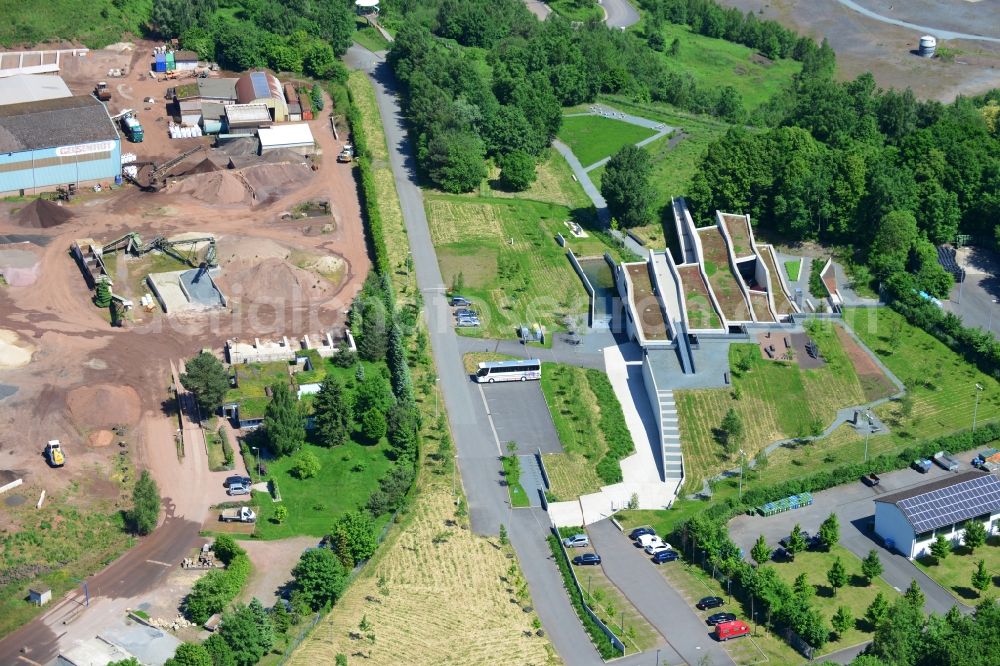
[466,312]
[237,480]
[922,465]
[783,554]
[734,629]
[576,541]
[238,489]
[664,556]
[639,531]
[871,480]
[467,323]
[709,602]
[460,301]
[719,618]
[587,558]
[654,548]
[809,539]
[646,539]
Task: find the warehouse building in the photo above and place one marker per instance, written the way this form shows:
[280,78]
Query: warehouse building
[296,137]
[57,141]
[32,88]
[263,88]
[910,520]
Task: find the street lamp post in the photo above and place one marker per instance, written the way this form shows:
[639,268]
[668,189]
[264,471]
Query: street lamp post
[741,473]
[975,411]
[871,429]
[657,656]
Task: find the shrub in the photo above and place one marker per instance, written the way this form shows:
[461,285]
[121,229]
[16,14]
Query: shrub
[306,465]
[227,448]
[613,427]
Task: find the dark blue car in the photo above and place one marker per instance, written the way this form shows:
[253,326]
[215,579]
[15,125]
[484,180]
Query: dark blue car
[639,531]
[664,556]
[587,558]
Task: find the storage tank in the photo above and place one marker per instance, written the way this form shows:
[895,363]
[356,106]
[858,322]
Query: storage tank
[161,63]
[928,44]
[171,63]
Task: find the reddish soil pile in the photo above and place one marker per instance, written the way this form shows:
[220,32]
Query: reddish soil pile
[205,166]
[42,214]
[103,405]
[220,187]
[100,438]
[274,280]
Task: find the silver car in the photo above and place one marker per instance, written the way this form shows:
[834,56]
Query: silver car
[239,489]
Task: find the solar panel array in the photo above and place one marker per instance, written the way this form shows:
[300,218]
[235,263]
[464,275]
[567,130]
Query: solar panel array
[953,504]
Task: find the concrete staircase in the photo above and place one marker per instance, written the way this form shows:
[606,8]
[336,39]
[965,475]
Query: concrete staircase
[673,462]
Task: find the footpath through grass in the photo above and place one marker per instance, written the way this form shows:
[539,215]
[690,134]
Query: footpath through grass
[594,137]
[954,573]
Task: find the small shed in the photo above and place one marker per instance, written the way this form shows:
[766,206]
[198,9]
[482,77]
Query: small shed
[160,62]
[213,622]
[185,59]
[295,136]
[41,596]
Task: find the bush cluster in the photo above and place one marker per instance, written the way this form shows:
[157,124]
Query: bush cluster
[216,589]
[227,448]
[612,425]
[367,192]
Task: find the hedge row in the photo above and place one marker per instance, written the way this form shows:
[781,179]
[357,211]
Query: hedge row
[367,192]
[597,635]
[213,591]
[960,441]
[612,424]
[227,448]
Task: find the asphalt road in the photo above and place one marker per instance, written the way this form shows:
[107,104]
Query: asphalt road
[620,14]
[478,449]
[630,569]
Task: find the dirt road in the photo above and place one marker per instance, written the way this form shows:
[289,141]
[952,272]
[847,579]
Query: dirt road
[77,351]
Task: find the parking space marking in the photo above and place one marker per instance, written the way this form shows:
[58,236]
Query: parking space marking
[489,415]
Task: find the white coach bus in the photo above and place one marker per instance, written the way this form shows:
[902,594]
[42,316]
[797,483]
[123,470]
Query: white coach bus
[509,371]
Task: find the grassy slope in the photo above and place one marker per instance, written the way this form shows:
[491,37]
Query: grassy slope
[576,416]
[95,23]
[778,400]
[715,63]
[592,138]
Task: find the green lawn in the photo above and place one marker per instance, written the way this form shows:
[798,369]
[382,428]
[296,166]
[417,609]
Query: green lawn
[515,284]
[793,268]
[592,137]
[615,609]
[94,23]
[349,475]
[577,10]
[518,497]
[576,415]
[368,37]
[954,573]
[216,456]
[715,63]
[777,400]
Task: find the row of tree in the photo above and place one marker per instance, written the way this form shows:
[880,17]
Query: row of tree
[305,36]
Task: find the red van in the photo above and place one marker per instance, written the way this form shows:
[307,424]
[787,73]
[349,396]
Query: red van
[734,629]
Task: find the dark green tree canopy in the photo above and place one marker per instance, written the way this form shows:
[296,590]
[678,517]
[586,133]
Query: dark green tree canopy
[206,377]
[627,188]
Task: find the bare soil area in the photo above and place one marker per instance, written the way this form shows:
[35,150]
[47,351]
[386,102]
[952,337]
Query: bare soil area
[873,381]
[888,51]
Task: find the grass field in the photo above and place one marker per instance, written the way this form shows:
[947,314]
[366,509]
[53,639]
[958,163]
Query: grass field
[777,400]
[715,63]
[615,610]
[396,240]
[793,268]
[592,137]
[577,10]
[554,183]
[576,415]
[525,282]
[213,446]
[369,37]
[352,470]
[954,573]
[94,23]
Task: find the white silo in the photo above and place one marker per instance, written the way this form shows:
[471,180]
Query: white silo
[928,44]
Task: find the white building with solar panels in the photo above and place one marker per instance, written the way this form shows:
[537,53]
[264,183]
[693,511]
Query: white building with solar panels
[908,521]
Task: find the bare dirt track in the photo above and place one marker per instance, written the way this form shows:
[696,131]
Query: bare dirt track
[866,44]
[84,376]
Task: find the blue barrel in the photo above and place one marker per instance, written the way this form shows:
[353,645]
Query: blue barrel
[118,179]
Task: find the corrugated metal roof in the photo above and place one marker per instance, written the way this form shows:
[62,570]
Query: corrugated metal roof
[294,134]
[247,113]
[31,88]
[217,88]
[947,501]
[185,56]
[64,121]
[258,85]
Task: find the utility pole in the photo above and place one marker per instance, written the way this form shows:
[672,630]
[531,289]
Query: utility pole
[741,473]
[871,429]
[975,411]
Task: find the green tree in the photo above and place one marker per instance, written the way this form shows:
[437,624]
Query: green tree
[837,575]
[145,504]
[890,246]
[190,654]
[975,535]
[306,465]
[319,61]
[373,392]
[373,425]
[335,21]
[517,171]
[940,547]
[675,47]
[131,661]
[248,631]
[878,611]
[829,532]
[842,621]
[796,541]
[283,423]
[206,377]
[802,588]
[981,578]
[355,535]
[914,595]
[456,160]
[218,648]
[102,293]
[341,660]
[731,430]
[374,338]
[226,548]
[316,98]
[899,638]
[626,186]
[319,578]
[331,413]
[280,513]
[760,552]
[503,535]
[871,566]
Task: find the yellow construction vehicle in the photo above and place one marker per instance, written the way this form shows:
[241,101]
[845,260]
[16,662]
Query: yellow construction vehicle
[54,454]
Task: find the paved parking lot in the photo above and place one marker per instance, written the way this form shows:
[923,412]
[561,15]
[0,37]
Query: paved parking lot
[855,509]
[520,414]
